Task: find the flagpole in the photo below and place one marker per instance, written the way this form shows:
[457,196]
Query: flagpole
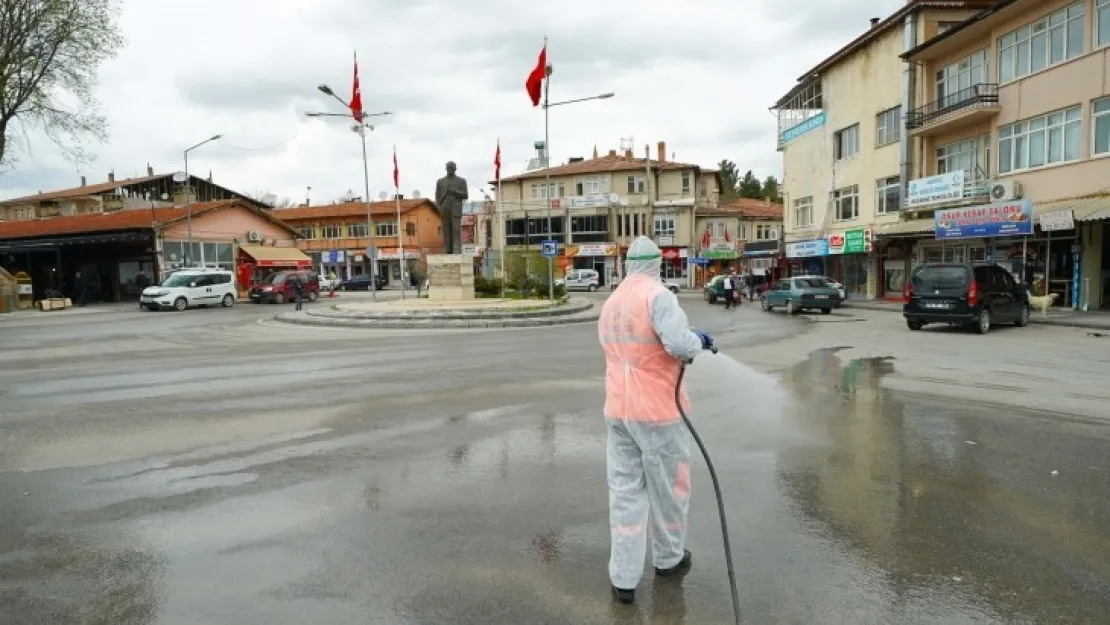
[397,199]
[503,240]
[547,167]
[372,249]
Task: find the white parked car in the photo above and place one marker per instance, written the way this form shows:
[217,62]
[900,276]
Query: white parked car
[580,280]
[673,285]
[189,288]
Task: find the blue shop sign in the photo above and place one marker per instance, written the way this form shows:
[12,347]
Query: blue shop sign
[798,130]
[805,249]
[988,220]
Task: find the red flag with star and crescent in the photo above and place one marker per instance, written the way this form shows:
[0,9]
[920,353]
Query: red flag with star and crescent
[356,95]
[497,163]
[534,83]
[396,172]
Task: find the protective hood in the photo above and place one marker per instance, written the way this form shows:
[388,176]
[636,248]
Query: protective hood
[644,258]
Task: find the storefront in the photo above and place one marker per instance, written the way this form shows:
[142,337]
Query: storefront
[807,258]
[601,257]
[850,261]
[716,259]
[389,262]
[760,259]
[675,264]
[255,262]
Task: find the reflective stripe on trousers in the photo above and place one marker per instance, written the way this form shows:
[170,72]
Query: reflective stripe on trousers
[649,484]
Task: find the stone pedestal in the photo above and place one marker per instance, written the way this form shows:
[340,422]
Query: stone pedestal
[450,277]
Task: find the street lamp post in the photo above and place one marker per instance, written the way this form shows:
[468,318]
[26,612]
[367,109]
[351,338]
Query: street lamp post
[547,104]
[372,248]
[188,202]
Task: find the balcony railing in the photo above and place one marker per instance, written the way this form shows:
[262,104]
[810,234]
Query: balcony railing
[974,96]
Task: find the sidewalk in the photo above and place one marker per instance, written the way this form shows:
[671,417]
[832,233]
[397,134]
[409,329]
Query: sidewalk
[1094,320]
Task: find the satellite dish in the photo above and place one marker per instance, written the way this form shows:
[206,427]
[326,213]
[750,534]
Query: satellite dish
[180,176]
[165,196]
[614,198]
[269,198]
[383,195]
[416,194]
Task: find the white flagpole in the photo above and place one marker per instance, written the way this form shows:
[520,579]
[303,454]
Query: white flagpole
[503,240]
[400,233]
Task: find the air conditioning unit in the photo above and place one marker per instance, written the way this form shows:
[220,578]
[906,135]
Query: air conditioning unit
[254,236]
[1005,190]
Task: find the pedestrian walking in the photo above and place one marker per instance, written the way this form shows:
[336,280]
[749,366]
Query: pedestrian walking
[646,337]
[298,290]
[730,291]
[737,288]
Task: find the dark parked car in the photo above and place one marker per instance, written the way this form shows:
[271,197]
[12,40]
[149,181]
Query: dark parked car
[964,295]
[361,283]
[279,288]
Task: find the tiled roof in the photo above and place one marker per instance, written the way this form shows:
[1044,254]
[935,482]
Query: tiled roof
[130,219]
[601,165]
[347,209]
[91,189]
[747,208]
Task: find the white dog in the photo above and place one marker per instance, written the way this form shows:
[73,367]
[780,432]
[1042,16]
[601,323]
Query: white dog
[1042,302]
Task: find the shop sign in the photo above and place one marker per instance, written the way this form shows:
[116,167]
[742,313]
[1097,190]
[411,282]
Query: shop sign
[467,220]
[720,250]
[1058,220]
[988,220]
[592,249]
[333,256]
[674,253]
[935,189]
[804,249]
[395,254]
[470,250]
[587,201]
[798,130]
[850,242]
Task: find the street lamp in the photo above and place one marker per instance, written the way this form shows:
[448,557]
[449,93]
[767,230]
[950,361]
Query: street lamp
[360,128]
[188,203]
[547,105]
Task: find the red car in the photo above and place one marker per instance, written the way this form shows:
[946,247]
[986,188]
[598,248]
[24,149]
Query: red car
[279,288]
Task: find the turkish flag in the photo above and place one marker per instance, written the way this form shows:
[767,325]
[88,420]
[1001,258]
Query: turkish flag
[705,238]
[356,95]
[396,171]
[534,84]
[728,239]
[497,162]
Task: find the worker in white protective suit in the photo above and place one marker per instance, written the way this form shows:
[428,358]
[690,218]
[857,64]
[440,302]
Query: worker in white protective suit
[646,339]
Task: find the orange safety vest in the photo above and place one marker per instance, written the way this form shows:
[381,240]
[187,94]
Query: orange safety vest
[640,375]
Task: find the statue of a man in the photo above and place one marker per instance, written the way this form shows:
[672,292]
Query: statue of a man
[451,192]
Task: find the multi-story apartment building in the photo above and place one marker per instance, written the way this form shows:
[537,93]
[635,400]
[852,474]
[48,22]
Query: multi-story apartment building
[1010,139]
[600,204]
[742,234]
[840,131]
[334,236]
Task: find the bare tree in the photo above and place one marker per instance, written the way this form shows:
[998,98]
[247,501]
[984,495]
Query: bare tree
[271,199]
[50,51]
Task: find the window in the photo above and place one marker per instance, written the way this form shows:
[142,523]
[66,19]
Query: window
[306,232]
[846,203]
[1049,40]
[765,232]
[888,194]
[742,231]
[636,185]
[1100,122]
[539,191]
[803,212]
[888,126]
[687,182]
[719,230]
[592,186]
[355,230]
[1052,138]
[589,224]
[410,228]
[959,156]
[386,228]
[664,225]
[943,26]
[955,81]
[330,231]
[1102,22]
[846,142]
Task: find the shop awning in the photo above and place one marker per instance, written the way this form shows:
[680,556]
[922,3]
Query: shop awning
[1088,208]
[267,256]
[905,228]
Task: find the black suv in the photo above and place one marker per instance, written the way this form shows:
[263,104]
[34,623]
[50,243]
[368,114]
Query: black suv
[965,295]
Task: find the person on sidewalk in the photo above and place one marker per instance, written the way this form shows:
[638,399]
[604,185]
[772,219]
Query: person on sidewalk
[730,290]
[298,290]
[646,338]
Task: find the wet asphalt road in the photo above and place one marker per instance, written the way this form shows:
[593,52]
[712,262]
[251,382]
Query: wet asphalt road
[204,467]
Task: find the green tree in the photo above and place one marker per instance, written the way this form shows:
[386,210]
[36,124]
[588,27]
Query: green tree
[730,180]
[771,189]
[49,54]
[751,187]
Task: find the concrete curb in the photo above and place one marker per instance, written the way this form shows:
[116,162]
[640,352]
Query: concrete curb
[579,311]
[572,307]
[1087,324]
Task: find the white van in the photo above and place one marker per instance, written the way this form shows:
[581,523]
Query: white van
[189,288]
[581,280]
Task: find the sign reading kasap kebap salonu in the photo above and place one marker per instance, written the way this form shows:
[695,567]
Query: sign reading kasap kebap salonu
[989,220]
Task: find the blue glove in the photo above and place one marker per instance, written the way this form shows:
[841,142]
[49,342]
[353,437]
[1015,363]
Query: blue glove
[706,340]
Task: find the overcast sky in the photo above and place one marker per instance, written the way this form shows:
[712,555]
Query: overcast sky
[698,75]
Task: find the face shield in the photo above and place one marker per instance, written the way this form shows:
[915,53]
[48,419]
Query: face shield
[644,258]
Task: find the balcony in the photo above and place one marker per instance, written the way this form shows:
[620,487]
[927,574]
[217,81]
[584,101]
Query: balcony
[966,107]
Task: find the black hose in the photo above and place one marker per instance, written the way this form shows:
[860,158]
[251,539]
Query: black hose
[716,491]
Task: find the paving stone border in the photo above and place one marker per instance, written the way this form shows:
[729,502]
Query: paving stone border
[574,311]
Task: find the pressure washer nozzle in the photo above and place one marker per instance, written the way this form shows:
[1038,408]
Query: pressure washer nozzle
[713,349]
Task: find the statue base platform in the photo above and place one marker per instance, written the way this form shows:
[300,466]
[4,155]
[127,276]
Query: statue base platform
[450,277]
